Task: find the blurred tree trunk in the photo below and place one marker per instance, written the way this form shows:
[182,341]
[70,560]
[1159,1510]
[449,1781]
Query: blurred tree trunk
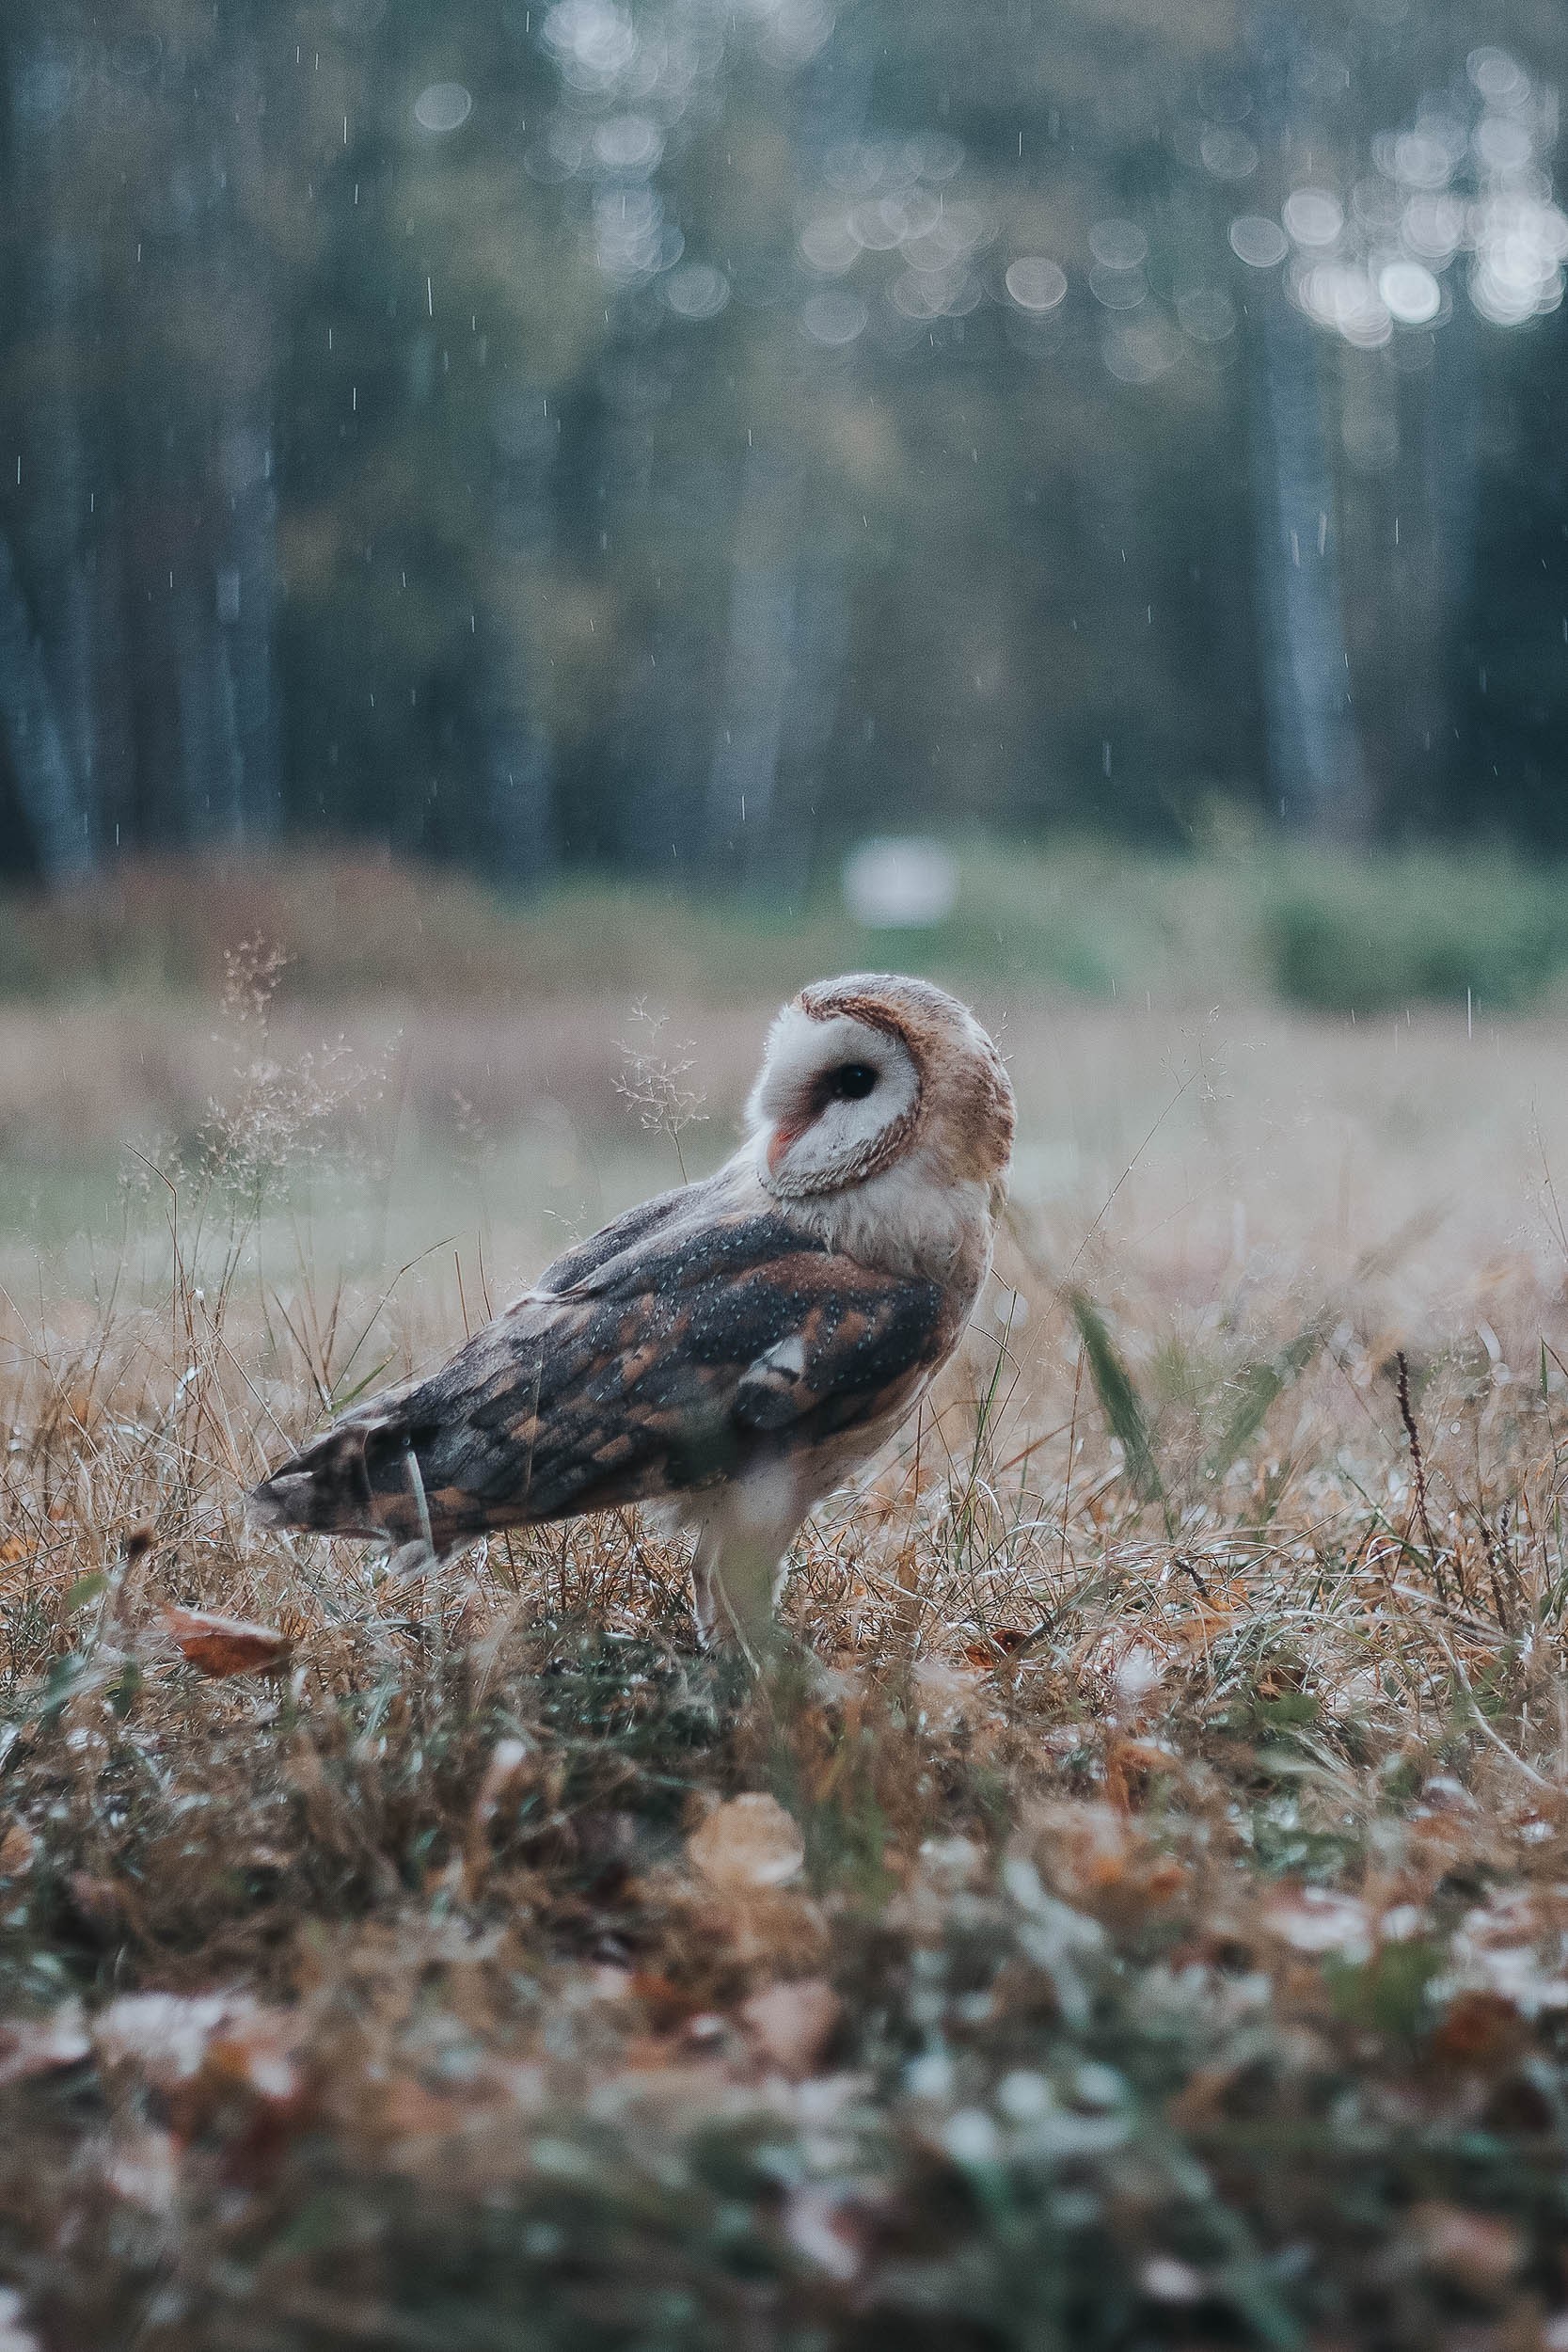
[46,782]
[211,619]
[789,602]
[47,666]
[518,757]
[1314,753]
[759,663]
[1450,461]
[648,822]
[1315,766]
[244,548]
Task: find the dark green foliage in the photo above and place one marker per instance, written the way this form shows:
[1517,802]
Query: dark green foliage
[1376,938]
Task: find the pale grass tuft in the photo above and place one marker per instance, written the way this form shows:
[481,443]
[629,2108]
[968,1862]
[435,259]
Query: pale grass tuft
[652,1081]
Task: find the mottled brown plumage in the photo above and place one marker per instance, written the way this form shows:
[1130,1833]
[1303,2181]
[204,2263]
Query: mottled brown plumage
[729,1349]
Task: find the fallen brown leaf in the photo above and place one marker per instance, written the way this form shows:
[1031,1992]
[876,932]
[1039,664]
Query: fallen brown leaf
[668,2003]
[143,2168]
[42,2045]
[748,1841]
[1005,1638]
[791,2025]
[1481,2027]
[1477,2251]
[99,1902]
[211,2055]
[228,1645]
[17,1848]
[819,2223]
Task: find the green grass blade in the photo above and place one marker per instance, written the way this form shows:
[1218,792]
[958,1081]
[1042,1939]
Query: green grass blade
[1119,1398]
[1256,1392]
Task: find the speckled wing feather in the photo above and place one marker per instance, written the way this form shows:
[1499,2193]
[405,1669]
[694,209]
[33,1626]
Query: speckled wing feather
[682,1346]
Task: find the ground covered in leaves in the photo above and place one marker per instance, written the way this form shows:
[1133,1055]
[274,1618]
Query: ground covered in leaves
[1132,1911]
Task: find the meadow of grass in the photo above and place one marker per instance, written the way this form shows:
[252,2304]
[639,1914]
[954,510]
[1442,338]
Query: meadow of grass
[1133,1910]
[1243,920]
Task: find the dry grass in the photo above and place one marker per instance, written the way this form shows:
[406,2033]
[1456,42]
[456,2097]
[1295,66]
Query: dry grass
[1174,1729]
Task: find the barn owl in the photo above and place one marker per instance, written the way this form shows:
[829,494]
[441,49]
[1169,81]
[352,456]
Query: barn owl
[730,1350]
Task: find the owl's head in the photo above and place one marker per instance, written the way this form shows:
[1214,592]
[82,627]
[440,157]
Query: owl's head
[863,1072]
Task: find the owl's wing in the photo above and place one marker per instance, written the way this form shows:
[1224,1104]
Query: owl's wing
[591,1262]
[703,1347]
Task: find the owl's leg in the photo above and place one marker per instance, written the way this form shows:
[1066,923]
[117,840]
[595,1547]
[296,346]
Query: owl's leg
[742,1560]
[706,1606]
[405,1564]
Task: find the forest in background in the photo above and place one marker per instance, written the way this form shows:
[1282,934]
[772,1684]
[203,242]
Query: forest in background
[681,438]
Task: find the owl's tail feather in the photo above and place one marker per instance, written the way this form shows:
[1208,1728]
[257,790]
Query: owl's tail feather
[353,1480]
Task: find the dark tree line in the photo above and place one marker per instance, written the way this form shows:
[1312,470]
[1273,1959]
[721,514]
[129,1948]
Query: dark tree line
[689,436]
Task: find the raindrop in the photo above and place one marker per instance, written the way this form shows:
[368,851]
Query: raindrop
[696,291]
[1036,283]
[904,161]
[1118,243]
[1137,351]
[963,228]
[1500,79]
[853,165]
[1260,244]
[1338,294]
[828,246]
[880,226]
[1410,292]
[935,294]
[931,252]
[916,295]
[559,158]
[795,32]
[1228,153]
[1434,227]
[1117,289]
[1313,216]
[443,106]
[594,39]
[1501,145]
[1422,160]
[962,293]
[940,156]
[834,317]
[1377,209]
[1506,288]
[921,211]
[1206,314]
[628,143]
[1520,247]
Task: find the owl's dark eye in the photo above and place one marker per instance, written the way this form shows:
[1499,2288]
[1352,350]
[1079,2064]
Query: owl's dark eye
[853,1082]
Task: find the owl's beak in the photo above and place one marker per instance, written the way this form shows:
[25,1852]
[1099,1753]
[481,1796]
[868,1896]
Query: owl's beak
[782,1140]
